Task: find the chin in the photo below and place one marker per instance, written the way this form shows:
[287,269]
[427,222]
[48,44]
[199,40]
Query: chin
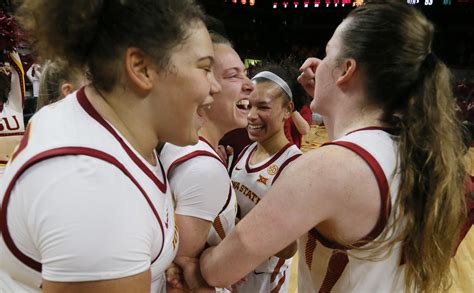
[190,139]
[252,138]
[241,125]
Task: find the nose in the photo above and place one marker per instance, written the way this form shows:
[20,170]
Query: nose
[215,85]
[252,115]
[247,85]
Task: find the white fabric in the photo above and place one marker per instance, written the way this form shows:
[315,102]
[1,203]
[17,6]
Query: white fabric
[12,126]
[199,194]
[200,186]
[35,80]
[80,216]
[359,275]
[92,187]
[251,186]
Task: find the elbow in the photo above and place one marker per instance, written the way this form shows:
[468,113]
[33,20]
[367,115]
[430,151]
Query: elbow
[288,252]
[213,279]
[305,130]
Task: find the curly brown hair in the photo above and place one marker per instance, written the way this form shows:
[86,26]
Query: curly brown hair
[96,33]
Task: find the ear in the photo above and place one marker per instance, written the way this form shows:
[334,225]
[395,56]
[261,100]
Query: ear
[288,110]
[348,70]
[66,89]
[137,68]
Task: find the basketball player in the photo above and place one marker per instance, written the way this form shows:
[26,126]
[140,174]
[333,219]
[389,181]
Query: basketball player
[205,200]
[381,207]
[86,204]
[261,163]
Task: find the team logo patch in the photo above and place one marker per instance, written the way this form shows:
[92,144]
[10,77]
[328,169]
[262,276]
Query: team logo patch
[262,179]
[273,169]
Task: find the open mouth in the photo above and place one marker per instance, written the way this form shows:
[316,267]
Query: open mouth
[202,108]
[206,105]
[254,127]
[243,104]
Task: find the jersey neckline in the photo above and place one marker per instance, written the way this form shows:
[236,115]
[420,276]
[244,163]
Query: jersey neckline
[89,109]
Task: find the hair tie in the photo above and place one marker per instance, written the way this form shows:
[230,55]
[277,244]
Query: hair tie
[276,79]
[430,61]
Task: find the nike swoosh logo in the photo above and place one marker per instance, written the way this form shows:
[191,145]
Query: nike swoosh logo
[238,169]
[258,273]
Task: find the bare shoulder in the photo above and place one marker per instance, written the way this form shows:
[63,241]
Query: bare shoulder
[326,163]
[333,177]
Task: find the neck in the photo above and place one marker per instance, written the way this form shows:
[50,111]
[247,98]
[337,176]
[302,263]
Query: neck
[212,132]
[341,123]
[124,111]
[272,145]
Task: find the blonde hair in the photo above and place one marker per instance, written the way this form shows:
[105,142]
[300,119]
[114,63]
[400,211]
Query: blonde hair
[54,75]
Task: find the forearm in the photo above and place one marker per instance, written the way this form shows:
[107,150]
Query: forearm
[229,262]
[251,242]
[301,124]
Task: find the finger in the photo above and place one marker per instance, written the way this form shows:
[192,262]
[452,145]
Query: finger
[230,150]
[221,148]
[221,151]
[309,63]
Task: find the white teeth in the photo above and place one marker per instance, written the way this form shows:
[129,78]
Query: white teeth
[243,104]
[255,126]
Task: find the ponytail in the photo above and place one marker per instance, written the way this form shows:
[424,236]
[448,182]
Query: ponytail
[432,171]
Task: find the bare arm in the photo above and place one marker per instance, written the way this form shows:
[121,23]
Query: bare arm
[135,284]
[192,235]
[329,188]
[301,124]
[289,205]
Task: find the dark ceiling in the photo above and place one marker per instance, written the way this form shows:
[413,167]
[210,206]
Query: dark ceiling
[261,31]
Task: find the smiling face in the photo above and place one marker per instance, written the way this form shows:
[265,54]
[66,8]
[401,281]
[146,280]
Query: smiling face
[229,110]
[185,88]
[268,111]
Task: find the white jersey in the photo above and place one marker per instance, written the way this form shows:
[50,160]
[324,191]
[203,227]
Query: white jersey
[322,266]
[80,204]
[201,186]
[251,183]
[12,126]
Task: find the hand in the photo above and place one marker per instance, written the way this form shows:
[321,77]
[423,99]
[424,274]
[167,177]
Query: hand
[174,278]
[306,78]
[225,152]
[192,274]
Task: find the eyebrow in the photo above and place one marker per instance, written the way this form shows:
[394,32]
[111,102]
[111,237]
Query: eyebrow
[233,68]
[210,58]
[263,103]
